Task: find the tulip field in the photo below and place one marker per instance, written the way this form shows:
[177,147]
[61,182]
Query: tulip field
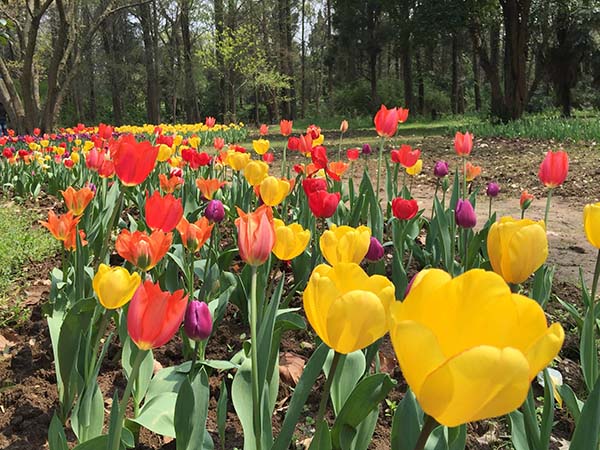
[221,287]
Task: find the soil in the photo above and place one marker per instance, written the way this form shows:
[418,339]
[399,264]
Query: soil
[28,384]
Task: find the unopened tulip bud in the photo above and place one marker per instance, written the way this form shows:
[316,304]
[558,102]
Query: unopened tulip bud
[376,251]
[198,321]
[215,212]
[465,214]
[366,149]
[440,169]
[492,189]
[344,126]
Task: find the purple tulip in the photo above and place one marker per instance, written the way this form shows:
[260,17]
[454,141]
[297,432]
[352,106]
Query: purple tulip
[198,321]
[376,251]
[366,149]
[440,169]
[492,189]
[215,212]
[465,215]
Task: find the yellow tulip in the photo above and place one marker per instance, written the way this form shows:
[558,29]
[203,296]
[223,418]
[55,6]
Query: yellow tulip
[345,244]
[591,223]
[290,240]
[175,161]
[347,308]
[164,152]
[115,286]
[177,140]
[75,157]
[194,142]
[319,140]
[416,169]
[237,160]
[87,146]
[255,172]
[517,248]
[468,347]
[273,190]
[261,146]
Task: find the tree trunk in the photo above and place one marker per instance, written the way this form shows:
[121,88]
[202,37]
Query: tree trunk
[192,114]
[219,28]
[303,63]
[476,79]
[152,88]
[455,75]
[110,45]
[421,84]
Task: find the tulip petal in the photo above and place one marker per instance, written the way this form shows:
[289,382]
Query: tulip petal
[320,292]
[545,349]
[524,253]
[479,383]
[354,321]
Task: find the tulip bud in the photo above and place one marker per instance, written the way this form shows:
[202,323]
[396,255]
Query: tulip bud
[376,251]
[344,126]
[440,169]
[215,212]
[198,321]
[366,149]
[465,215]
[492,189]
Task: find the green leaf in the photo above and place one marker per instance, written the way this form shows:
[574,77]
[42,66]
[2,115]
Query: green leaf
[322,438]
[350,369]
[588,349]
[547,413]
[303,388]
[364,398]
[518,435]
[157,414]
[587,431]
[141,384]
[222,412]
[87,417]
[407,423]
[574,405]
[56,435]
[191,411]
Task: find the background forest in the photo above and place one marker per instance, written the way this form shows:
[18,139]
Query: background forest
[152,61]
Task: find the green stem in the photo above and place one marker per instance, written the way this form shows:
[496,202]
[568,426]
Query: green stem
[429,425]
[464,176]
[465,249]
[116,211]
[191,278]
[101,330]
[256,403]
[327,388]
[340,147]
[490,208]
[116,437]
[437,185]
[283,172]
[194,358]
[547,208]
[522,213]
[381,142]
[596,276]
[208,257]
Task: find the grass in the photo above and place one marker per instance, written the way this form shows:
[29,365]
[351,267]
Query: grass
[20,244]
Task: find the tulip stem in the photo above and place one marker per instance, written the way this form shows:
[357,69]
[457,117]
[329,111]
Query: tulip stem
[429,425]
[464,177]
[381,142]
[283,172]
[194,358]
[596,276]
[116,437]
[256,403]
[327,387]
[547,208]
[191,278]
[116,211]
[490,208]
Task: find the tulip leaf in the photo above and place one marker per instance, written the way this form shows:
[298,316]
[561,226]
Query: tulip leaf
[542,284]
[365,397]
[301,392]
[87,417]
[57,440]
[457,437]
[518,435]
[407,422]
[168,379]
[322,438]
[130,351]
[532,429]
[574,405]
[587,431]
[359,438]
[222,412]
[548,412]
[191,411]
[349,371]
[157,414]
[588,349]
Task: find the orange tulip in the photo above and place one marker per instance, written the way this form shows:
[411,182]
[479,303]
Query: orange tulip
[163,213]
[154,316]
[209,186]
[169,184]
[472,171]
[285,127]
[142,250]
[386,121]
[77,201]
[194,235]
[525,200]
[256,235]
[463,143]
[61,227]
[337,168]
[71,242]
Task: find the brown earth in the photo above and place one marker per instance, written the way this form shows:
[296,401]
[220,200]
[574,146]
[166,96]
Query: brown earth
[27,380]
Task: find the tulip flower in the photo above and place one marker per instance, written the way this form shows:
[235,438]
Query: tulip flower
[263,130]
[133,161]
[256,235]
[311,185]
[353,154]
[323,204]
[386,121]
[142,250]
[285,127]
[268,157]
[344,126]
[525,201]
[484,344]
[77,201]
[313,131]
[345,244]
[70,243]
[472,171]
[61,226]
[293,143]
[402,114]
[465,214]
[261,146]
[366,149]
[405,156]
[255,172]
[492,190]
[169,184]
[210,122]
[463,143]
[194,235]
[154,316]
[163,213]
[218,143]
[591,223]
[215,212]
[114,286]
[164,152]
[197,322]
[209,186]
[238,161]
[376,250]
[273,190]
[337,169]
[404,209]
[290,240]
[440,169]
[347,309]
[554,169]
[194,158]
[517,248]
[415,169]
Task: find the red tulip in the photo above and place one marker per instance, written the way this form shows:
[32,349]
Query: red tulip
[406,156]
[402,115]
[218,143]
[256,235]
[386,121]
[305,143]
[293,143]
[133,160]
[210,122]
[353,154]
[314,131]
[554,169]
[154,316]
[319,157]
[195,159]
[285,127]
[311,185]
[163,213]
[323,204]
[525,200]
[264,129]
[463,143]
[404,209]
[268,157]
[105,131]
